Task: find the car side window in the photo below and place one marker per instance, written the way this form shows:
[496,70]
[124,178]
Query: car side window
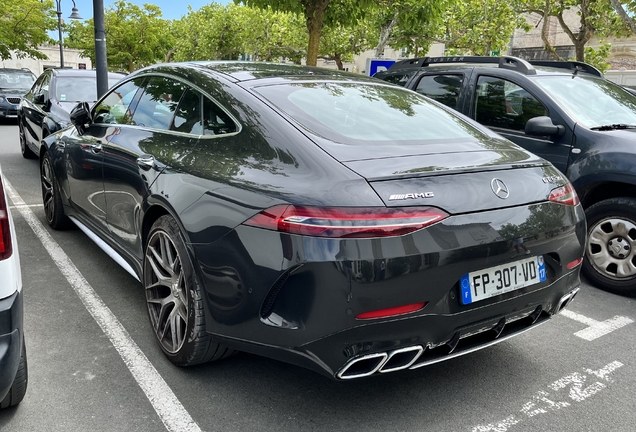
[503,104]
[215,120]
[399,78]
[158,103]
[37,86]
[115,108]
[442,88]
[188,118]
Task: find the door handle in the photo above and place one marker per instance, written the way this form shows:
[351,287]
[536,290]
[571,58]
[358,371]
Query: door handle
[146,162]
[95,147]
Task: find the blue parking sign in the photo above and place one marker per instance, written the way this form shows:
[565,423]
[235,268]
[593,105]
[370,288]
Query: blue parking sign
[379,65]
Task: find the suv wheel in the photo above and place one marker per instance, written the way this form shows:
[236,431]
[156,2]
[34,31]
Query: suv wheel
[610,254]
[174,298]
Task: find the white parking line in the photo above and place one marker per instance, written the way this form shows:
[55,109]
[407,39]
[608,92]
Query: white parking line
[543,402]
[171,412]
[596,329]
[26,205]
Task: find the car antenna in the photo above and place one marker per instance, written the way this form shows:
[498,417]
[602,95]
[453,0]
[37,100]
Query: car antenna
[576,71]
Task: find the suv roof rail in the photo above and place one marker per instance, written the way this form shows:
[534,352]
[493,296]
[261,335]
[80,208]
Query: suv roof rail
[504,62]
[576,66]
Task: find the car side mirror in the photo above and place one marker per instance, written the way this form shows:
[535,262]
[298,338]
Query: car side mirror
[543,126]
[81,116]
[38,99]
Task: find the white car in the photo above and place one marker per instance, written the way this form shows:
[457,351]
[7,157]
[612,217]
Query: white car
[13,361]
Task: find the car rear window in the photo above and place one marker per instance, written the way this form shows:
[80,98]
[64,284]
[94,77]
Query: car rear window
[78,89]
[361,113]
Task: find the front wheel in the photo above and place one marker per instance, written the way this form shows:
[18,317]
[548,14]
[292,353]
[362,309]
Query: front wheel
[26,151]
[175,300]
[610,255]
[53,207]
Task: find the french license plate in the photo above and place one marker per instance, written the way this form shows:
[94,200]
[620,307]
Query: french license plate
[480,285]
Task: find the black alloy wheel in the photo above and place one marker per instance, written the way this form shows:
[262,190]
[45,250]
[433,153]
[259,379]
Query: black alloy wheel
[610,254]
[174,299]
[53,207]
[26,151]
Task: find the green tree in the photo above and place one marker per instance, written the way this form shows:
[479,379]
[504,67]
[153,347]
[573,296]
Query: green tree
[23,27]
[596,18]
[317,13]
[407,23]
[226,31]
[340,43]
[479,27]
[136,36]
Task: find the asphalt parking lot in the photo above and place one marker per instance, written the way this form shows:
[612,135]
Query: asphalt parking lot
[94,364]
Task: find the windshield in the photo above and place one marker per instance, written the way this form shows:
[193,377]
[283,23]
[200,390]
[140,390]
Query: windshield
[16,80]
[78,89]
[592,102]
[359,113]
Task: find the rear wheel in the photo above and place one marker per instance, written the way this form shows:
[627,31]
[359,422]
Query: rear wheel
[26,151]
[18,389]
[174,298]
[53,207]
[610,255]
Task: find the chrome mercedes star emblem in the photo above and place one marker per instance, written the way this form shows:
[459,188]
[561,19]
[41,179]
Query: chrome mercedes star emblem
[499,188]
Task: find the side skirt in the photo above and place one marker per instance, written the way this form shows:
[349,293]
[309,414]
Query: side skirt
[105,247]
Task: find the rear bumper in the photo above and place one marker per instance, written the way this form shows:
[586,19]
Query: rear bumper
[296,298]
[11,333]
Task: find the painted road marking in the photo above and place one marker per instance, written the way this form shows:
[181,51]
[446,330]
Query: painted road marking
[25,205]
[171,412]
[543,401]
[596,329]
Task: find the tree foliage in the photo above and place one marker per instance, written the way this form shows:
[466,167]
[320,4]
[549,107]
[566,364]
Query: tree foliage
[136,36]
[23,27]
[226,31]
[596,18]
[317,13]
[407,23]
[480,27]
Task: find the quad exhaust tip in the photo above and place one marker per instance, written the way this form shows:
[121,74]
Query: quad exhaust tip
[566,299]
[363,366]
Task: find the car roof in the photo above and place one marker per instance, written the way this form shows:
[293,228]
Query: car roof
[14,70]
[529,68]
[241,71]
[82,72]
[541,70]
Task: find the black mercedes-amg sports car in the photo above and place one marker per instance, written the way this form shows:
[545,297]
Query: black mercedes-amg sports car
[314,216]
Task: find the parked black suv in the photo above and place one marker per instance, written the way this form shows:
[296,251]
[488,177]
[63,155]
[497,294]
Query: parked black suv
[565,112]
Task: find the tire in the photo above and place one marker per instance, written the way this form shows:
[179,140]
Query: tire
[19,387]
[53,207]
[26,151]
[610,252]
[174,298]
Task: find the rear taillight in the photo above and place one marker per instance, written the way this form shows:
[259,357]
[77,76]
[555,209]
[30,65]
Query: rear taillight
[346,222]
[564,195]
[394,311]
[5,232]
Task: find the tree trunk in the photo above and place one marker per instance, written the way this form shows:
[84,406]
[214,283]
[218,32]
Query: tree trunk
[315,14]
[385,34]
[579,48]
[547,46]
[338,60]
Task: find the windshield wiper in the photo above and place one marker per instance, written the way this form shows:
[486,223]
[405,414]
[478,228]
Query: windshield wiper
[614,127]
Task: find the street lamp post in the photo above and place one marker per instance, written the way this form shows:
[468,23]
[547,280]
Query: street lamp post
[74,15]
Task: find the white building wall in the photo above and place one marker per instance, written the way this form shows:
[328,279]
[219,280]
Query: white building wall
[72,59]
